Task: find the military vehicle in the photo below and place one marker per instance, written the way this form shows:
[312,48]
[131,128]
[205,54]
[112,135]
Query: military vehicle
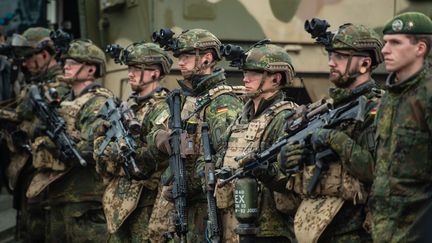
[241,22]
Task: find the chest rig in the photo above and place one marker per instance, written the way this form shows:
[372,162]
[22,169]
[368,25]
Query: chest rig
[193,115]
[70,110]
[246,138]
[142,108]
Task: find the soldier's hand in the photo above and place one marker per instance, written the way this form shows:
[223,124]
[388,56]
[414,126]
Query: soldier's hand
[264,174]
[109,161]
[162,140]
[293,156]
[334,139]
[322,138]
[101,129]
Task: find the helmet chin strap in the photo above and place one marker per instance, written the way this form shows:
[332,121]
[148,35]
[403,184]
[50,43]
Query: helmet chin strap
[347,78]
[74,78]
[260,90]
[141,82]
[198,67]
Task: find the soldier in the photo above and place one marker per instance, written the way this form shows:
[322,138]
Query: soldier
[335,210]
[205,98]
[72,193]
[37,50]
[128,203]
[401,193]
[267,69]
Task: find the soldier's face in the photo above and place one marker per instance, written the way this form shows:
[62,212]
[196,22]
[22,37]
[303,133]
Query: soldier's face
[186,63]
[134,74]
[72,69]
[252,80]
[338,62]
[399,53]
[34,63]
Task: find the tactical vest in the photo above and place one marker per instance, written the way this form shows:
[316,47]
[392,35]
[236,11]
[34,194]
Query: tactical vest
[123,196]
[70,110]
[245,138]
[145,107]
[193,115]
[335,186]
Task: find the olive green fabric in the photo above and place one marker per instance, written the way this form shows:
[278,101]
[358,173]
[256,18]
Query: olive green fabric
[147,54]
[218,113]
[411,23]
[190,40]
[270,58]
[85,51]
[401,193]
[358,38]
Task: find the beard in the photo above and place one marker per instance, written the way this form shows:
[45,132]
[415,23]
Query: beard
[338,79]
[136,88]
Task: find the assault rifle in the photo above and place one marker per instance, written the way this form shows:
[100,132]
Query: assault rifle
[119,133]
[300,130]
[177,166]
[55,126]
[212,223]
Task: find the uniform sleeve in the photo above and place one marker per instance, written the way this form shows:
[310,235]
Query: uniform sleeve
[149,157]
[356,150]
[274,131]
[88,121]
[220,113]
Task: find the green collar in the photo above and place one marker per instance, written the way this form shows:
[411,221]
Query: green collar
[401,86]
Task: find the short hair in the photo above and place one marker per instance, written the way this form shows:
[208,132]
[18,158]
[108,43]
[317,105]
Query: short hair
[427,39]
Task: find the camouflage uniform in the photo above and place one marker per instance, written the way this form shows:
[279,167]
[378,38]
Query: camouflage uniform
[208,100]
[401,193]
[72,193]
[335,212]
[256,131]
[129,203]
[20,171]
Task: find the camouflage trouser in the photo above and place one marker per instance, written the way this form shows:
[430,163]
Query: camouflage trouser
[31,223]
[76,222]
[31,219]
[134,228]
[162,220]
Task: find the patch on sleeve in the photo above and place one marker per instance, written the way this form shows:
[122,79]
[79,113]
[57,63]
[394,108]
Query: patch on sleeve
[162,117]
[222,109]
[373,112]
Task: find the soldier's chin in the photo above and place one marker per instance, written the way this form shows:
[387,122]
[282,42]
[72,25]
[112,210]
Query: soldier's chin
[135,88]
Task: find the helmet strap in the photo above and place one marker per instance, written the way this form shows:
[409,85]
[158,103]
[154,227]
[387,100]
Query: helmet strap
[75,79]
[348,78]
[141,81]
[260,90]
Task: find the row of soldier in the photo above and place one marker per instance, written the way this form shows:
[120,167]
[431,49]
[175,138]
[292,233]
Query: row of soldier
[244,163]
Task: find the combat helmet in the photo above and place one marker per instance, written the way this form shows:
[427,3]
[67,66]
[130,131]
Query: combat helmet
[197,39]
[270,58]
[32,41]
[147,54]
[360,39]
[85,51]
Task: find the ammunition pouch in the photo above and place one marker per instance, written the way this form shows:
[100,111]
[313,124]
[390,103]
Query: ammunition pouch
[224,195]
[44,155]
[334,182]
